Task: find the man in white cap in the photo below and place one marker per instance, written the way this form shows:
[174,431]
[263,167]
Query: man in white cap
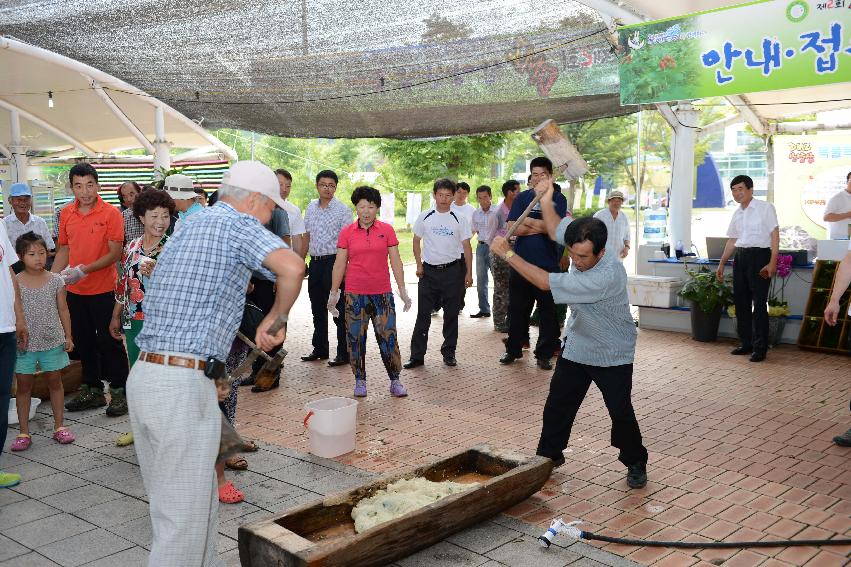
[22,221]
[181,188]
[617,224]
[193,306]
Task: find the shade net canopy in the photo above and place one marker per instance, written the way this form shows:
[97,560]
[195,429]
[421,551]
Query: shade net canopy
[328,68]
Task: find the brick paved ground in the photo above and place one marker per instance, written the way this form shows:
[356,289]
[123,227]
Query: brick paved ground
[738,450]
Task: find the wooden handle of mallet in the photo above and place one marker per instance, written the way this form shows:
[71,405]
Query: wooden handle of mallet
[256,351]
[276,325]
[523,215]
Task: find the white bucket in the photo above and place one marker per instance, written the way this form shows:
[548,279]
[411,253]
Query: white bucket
[13,409]
[332,423]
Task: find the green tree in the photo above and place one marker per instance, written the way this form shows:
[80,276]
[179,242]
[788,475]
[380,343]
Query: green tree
[423,161]
[440,29]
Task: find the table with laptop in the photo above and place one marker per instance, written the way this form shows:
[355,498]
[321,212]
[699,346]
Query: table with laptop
[668,274]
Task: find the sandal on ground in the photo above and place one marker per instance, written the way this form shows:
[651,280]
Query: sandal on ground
[250,447]
[124,439]
[228,494]
[63,436]
[236,464]
[21,443]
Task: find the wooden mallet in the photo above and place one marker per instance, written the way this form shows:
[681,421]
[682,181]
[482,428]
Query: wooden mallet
[256,351]
[562,153]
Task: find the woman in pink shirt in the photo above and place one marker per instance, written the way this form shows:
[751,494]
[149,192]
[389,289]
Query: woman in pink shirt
[363,249]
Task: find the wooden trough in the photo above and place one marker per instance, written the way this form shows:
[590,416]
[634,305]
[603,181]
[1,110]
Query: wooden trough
[322,532]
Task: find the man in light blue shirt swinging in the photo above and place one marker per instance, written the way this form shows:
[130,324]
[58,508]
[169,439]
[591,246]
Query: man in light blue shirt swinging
[599,341]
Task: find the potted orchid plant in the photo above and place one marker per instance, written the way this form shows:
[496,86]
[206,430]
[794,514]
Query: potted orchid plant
[778,307]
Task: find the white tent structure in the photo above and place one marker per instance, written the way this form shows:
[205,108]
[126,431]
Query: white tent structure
[80,118]
[763,111]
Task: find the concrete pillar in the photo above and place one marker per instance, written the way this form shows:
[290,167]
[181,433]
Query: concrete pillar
[162,152]
[683,175]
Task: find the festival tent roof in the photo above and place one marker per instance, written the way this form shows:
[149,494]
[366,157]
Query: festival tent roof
[84,116]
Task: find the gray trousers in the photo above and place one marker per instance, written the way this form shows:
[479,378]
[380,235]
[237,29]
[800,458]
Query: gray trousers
[176,426]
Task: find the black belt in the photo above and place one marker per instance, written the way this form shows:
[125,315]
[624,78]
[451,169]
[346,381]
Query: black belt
[443,266]
[320,258]
[752,248]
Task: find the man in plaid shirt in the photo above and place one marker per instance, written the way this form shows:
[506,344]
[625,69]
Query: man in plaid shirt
[193,306]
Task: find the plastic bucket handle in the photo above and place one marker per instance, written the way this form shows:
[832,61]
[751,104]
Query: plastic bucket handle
[307,417]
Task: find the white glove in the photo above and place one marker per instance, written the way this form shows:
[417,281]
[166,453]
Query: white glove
[406,299]
[72,275]
[333,298]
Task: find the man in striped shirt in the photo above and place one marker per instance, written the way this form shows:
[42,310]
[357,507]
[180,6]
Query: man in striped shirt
[599,341]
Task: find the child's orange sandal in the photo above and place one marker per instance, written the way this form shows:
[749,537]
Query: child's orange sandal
[228,494]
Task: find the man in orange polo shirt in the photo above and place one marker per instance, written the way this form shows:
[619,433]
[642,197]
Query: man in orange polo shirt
[91,234]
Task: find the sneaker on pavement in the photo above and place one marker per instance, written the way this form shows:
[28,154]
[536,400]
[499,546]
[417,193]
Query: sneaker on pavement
[117,402]
[8,480]
[636,475]
[397,390]
[88,398]
[124,439]
[843,440]
[360,388]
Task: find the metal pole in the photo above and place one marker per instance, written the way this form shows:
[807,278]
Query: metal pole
[162,153]
[769,162]
[17,154]
[252,146]
[18,149]
[637,192]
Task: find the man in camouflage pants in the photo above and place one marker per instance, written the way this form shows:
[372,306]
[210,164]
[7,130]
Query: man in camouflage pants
[499,267]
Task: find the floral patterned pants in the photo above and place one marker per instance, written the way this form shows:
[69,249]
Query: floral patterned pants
[380,309]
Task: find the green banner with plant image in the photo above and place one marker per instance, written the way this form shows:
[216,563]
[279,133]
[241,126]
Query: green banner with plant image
[760,46]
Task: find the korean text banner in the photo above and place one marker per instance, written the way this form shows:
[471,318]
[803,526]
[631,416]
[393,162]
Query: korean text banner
[760,46]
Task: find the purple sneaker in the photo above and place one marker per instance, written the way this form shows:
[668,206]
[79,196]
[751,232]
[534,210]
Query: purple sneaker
[360,388]
[397,390]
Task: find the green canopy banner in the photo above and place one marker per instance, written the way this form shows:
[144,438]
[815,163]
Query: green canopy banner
[760,46]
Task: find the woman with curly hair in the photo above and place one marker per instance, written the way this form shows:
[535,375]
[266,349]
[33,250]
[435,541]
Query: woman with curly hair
[154,210]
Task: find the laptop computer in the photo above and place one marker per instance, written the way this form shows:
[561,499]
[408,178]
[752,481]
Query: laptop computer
[715,247]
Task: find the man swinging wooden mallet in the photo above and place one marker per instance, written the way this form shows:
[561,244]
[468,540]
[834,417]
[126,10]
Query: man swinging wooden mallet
[599,342]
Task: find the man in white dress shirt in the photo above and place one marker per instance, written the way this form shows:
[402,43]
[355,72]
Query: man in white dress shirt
[297,230]
[837,213]
[754,236]
[324,219]
[617,224]
[22,221]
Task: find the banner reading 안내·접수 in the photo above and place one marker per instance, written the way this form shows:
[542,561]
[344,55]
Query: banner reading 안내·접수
[760,46]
